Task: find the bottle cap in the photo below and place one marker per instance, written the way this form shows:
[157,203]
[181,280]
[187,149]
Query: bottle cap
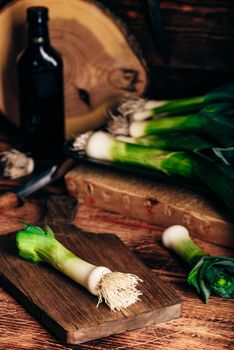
[37,14]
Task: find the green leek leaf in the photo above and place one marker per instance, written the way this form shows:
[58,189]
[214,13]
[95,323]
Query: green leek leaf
[33,229]
[213,274]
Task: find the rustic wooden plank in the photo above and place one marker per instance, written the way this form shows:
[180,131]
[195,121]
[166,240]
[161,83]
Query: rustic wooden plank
[152,201]
[68,310]
[12,219]
[200,326]
[8,200]
[201,40]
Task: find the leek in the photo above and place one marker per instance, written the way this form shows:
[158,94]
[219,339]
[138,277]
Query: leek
[119,290]
[208,273]
[181,142]
[172,141]
[219,128]
[103,146]
[140,109]
[184,105]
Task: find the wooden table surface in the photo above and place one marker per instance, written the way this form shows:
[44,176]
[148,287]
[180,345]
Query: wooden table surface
[201,326]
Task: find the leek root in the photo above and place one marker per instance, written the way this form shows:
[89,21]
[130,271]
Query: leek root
[16,164]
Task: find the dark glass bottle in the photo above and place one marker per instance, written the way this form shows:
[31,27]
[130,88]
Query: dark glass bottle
[40,89]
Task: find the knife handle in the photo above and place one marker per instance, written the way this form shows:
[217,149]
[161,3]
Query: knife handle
[8,200]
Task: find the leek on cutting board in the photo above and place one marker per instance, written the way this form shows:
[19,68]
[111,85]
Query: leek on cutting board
[209,274]
[119,290]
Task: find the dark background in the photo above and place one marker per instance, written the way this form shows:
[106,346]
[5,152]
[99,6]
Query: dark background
[201,41]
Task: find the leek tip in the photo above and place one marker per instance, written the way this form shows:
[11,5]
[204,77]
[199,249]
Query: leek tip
[99,145]
[136,129]
[151,104]
[142,115]
[173,234]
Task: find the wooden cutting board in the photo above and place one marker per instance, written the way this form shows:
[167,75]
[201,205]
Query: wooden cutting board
[66,308]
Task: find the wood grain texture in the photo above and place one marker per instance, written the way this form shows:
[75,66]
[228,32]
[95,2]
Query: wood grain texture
[68,310]
[205,327]
[101,60]
[8,200]
[12,219]
[152,201]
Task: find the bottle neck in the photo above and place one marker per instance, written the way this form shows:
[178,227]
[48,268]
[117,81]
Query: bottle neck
[38,33]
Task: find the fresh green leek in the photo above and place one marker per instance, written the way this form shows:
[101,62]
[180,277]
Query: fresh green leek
[217,127]
[185,105]
[173,124]
[209,274]
[103,146]
[173,141]
[181,142]
[119,290]
[222,108]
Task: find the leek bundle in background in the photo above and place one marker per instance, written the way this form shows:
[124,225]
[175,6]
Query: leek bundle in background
[152,135]
[218,127]
[146,109]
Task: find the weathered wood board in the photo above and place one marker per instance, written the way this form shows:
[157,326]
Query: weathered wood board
[67,309]
[152,201]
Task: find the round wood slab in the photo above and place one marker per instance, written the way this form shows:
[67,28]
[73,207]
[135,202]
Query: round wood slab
[101,59]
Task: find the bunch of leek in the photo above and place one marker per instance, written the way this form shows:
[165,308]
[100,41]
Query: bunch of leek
[119,290]
[101,145]
[141,109]
[209,274]
[218,127]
